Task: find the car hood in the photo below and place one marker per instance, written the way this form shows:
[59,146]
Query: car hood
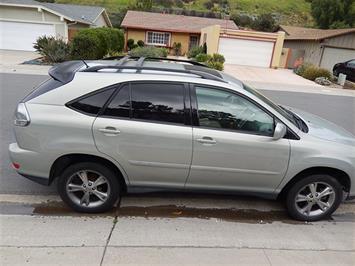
[324,129]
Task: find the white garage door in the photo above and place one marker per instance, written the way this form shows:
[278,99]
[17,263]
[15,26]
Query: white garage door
[246,52]
[21,35]
[332,56]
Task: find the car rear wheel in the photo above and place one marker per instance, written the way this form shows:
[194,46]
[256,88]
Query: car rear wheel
[314,198]
[89,187]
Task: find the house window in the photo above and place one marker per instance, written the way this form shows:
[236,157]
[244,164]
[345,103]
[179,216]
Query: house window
[158,38]
[194,41]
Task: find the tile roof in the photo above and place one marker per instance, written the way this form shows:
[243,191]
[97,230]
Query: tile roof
[170,22]
[80,13]
[300,33]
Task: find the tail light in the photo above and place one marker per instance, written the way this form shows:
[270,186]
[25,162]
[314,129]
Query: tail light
[22,117]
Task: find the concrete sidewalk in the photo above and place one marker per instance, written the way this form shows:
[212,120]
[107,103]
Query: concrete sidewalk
[127,237]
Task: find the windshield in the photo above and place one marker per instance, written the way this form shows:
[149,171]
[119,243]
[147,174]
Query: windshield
[288,115]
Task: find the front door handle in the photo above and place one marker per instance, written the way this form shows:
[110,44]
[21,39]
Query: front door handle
[206,140]
[110,131]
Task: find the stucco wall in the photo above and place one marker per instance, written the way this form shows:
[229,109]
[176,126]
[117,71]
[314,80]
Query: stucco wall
[182,38]
[210,35]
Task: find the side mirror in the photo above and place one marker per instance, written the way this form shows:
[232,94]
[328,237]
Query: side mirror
[280,131]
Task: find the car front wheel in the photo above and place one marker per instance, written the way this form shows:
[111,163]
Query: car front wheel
[89,187]
[314,198]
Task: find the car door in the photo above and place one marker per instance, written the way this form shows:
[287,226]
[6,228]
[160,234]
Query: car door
[146,128]
[350,70]
[233,145]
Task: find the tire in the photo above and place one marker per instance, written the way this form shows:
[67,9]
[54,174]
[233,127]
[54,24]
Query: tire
[312,206]
[77,187]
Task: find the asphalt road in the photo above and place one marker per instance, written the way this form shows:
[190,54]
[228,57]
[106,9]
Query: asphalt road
[13,87]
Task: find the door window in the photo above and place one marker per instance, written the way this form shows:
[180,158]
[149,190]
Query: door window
[158,102]
[225,110]
[120,104]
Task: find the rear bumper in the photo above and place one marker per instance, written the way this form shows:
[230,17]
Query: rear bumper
[32,165]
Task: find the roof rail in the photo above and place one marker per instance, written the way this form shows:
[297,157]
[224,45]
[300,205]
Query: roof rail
[138,69]
[156,58]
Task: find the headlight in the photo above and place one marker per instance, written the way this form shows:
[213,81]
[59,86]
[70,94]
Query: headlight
[22,117]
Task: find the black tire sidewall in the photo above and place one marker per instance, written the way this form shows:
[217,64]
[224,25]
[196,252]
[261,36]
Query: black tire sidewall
[291,195]
[105,171]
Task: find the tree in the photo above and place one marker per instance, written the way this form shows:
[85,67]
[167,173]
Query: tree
[333,13]
[145,5]
[265,22]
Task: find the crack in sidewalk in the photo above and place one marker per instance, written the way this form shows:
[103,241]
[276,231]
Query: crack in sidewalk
[111,231]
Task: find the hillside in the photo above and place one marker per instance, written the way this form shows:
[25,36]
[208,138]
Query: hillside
[292,12]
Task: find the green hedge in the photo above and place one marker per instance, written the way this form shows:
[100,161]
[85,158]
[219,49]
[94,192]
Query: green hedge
[96,43]
[149,51]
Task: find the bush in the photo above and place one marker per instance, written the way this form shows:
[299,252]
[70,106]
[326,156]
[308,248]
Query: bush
[194,51]
[177,48]
[149,51]
[53,50]
[140,43]
[312,72]
[95,43]
[218,58]
[87,45]
[130,44]
[202,57]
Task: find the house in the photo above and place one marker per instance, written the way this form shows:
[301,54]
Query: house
[23,21]
[244,47]
[323,48]
[163,30]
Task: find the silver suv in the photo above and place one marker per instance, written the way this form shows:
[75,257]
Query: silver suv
[100,128]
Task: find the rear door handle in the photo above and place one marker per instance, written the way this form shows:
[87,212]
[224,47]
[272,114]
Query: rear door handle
[110,131]
[206,140]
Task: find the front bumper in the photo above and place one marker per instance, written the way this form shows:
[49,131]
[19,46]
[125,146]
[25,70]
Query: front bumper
[32,165]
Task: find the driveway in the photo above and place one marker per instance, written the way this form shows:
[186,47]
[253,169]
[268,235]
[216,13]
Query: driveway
[11,62]
[280,80]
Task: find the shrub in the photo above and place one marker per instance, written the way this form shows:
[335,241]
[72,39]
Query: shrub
[177,48]
[194,51]
[87,45]
[53,50]
[215,65]
[218,58]
[202,57]
[314,72]
[95,43]
[130,44]
[149,51]
[140,43]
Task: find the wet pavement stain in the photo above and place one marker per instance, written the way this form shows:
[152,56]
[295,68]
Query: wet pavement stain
[229,215]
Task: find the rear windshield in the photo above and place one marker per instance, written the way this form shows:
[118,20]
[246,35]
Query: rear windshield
[46,86]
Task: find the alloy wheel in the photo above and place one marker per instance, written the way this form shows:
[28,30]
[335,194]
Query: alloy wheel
[88,188]
[315,199]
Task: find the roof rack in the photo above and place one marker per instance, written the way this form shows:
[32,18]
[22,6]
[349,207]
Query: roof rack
[139,68]
[155,59]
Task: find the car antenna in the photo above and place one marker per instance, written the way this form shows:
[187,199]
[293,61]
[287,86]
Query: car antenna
[87,66]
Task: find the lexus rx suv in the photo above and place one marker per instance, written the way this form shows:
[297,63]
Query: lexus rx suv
[101,128]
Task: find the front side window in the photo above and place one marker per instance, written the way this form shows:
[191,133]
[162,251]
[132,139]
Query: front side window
[92,103]
[158,38]
[225,110]
[158,102]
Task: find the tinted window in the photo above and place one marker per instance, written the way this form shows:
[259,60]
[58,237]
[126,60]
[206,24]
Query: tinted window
[48,85]
[92,103]
[225,110]
[158,102]
[120,104]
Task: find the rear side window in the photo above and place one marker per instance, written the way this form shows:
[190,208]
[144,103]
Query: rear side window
[120,104]
[92,103]
[48,85]
[162,102]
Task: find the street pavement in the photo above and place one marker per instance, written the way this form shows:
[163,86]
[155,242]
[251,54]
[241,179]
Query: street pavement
[166,228]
